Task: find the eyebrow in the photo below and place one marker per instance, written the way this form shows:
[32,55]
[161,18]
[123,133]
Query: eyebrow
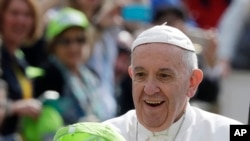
[139,68]
[166,70]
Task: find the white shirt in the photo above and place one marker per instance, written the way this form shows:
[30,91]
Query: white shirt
[194,125]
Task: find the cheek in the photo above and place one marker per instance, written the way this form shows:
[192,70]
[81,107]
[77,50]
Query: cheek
[62,55]
[59,52]
[30,23]
[76,54]
[176,93]
[180,97]
[8,23]
[137,92]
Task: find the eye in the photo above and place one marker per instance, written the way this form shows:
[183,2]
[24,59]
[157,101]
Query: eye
[164,76]
[139,76]
[81,40]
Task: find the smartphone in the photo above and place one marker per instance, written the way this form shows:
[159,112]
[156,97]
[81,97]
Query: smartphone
[137,13]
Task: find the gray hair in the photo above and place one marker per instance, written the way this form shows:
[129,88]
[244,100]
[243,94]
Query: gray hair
[190,60]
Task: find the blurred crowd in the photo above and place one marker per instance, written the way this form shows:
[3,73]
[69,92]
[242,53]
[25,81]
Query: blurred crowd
[65,61]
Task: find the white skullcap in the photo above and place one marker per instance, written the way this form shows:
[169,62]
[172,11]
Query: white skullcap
[164,34]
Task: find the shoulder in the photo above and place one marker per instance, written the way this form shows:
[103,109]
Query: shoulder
[213,126]
[205,126]
[124,124]
[52,79]
[212,118]
[51,71]
[124,119]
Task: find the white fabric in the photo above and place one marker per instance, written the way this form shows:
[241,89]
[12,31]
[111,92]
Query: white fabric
[166,135]
[198,125]
[230,26]
[164,34]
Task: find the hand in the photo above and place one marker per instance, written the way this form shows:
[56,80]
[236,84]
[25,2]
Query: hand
[26,107]
[210,52]
[109,16]
[225,67]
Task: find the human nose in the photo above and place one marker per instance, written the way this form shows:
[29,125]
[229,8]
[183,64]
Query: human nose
[151,87]
[22,17]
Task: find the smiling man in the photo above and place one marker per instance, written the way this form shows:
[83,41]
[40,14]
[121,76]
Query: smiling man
[165,75]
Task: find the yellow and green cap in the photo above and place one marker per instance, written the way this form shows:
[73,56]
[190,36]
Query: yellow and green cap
[88,131]
[64,19]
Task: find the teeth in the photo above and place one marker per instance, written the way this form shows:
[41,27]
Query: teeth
[153,102]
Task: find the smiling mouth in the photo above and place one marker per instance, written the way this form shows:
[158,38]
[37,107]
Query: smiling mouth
[154,103]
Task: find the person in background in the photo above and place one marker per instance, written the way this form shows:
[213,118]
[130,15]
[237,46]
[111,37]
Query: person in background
[3,104]
[122,79]
[234,60]
[19,25]
[36,52]
[81,96]
[104,53]
[90,8]
[206,13]
[165,75]
[104,17]
[234,47]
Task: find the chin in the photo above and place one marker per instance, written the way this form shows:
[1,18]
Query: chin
[157,128]
[153,124]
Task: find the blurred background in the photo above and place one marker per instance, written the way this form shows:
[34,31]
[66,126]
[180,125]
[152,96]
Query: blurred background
[65,61]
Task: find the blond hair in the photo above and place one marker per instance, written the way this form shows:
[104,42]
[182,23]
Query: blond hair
[36,31]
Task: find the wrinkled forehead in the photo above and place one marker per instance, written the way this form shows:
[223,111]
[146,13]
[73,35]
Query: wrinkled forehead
[156,52]
[158,55]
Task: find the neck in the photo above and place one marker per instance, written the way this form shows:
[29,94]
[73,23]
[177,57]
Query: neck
[170,133]
[181,113]
[74,69]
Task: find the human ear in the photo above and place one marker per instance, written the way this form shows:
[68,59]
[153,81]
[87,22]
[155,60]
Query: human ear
[194,81]
[130,71]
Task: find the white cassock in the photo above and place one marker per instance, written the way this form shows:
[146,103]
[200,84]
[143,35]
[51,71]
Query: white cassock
[194,125]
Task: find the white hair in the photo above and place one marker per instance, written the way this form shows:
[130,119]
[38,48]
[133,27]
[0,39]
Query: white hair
[190,60]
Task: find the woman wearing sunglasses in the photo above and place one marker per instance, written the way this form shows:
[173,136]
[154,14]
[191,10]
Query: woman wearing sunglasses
[80,93]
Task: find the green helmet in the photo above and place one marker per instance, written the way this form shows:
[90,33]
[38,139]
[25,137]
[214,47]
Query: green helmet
[63,19]
[42,128]
[88,131]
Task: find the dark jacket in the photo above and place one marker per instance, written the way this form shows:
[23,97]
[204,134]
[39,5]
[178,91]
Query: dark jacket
[14,90]
[67,104]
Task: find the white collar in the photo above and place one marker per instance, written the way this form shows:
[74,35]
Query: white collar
[167,134]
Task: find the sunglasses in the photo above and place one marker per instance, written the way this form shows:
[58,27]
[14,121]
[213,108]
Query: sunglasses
[68,41]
